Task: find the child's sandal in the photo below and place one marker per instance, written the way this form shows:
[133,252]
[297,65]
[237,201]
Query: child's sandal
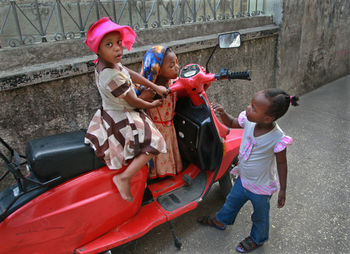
[208,221]
[247,245]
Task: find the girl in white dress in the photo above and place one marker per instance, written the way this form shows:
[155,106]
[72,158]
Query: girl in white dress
[263,149]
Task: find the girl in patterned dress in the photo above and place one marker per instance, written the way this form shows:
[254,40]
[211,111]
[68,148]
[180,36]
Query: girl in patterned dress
[160,65]
[120,131]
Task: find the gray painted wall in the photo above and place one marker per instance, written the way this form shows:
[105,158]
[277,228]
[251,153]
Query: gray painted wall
[274,8]
[314,43]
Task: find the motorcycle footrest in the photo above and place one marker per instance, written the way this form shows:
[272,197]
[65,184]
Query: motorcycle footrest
[187,179]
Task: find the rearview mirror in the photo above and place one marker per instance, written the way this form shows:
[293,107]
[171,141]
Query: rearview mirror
[230,40]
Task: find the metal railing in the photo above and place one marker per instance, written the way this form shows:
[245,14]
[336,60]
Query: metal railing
[26,22]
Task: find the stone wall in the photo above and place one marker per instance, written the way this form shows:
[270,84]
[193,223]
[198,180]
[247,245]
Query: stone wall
[67,101]
[314,44]
[50,89]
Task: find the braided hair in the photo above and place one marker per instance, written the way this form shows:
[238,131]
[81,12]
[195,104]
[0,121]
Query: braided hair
[280,102]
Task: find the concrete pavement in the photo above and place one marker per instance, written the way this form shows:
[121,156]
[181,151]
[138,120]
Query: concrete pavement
[316,218]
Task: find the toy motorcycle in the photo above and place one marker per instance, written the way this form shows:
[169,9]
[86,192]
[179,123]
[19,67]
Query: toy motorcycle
[67,203]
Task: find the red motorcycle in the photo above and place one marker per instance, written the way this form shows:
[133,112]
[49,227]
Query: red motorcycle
[68,203]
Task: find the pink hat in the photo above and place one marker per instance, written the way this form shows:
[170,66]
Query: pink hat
[104,26]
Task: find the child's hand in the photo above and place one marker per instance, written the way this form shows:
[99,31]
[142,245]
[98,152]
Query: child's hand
[217,108]
[157,103]
[147,94]
[161,90]
[281,199]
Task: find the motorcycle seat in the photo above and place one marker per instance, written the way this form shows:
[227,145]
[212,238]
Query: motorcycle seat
[65,155]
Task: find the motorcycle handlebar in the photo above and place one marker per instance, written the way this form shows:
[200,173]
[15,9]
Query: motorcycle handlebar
[240,75]
[226,74]
[194,79]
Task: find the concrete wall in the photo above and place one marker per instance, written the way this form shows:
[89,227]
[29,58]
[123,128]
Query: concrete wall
[274,8]
[68,102]
[314,43]
[50,89]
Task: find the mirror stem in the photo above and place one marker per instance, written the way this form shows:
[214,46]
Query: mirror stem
[206,65]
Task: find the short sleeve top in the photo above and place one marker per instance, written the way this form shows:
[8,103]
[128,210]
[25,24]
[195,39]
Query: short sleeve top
[257,157]
[113,86]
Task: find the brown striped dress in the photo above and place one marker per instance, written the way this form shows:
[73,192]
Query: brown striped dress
[118,131]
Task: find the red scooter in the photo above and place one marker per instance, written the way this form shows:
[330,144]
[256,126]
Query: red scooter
[67,202]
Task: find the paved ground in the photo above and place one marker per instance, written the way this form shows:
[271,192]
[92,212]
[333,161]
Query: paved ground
[316,218]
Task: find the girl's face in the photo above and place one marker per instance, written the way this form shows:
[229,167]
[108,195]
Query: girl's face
[111,49]
[257,108]
[170,66]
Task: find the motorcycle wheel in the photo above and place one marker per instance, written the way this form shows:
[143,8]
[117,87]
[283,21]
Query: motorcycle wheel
[227,180]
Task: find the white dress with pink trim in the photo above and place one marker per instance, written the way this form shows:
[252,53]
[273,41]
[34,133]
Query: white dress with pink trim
[257,160]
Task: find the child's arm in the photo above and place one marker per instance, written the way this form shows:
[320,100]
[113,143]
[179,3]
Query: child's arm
[139,79]
[281,160]
[227,119]
[137,102]
[147,95]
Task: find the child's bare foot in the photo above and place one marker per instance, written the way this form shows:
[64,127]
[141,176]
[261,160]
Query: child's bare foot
[123,187]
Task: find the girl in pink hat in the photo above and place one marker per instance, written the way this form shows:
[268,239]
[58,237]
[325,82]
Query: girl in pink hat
[121,131]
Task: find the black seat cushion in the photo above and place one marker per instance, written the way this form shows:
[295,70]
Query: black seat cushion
[64,155]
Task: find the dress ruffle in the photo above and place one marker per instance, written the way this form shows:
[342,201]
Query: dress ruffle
[285,141]
[241,118]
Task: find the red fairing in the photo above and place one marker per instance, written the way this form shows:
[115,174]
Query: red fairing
[87,214]
[231,149]
[193,86]
[71,214]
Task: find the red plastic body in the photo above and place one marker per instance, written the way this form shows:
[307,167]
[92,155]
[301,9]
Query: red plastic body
[87,214]
[71,214]
[193,86]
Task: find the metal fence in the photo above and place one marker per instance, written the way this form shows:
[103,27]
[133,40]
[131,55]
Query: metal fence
[27,22]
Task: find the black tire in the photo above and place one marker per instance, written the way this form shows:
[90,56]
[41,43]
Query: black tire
[227,180]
